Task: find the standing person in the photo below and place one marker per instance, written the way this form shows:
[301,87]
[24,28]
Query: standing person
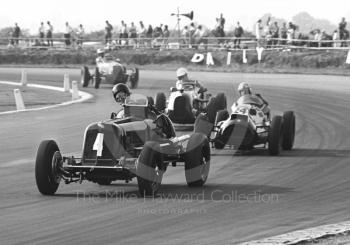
[275,33]
[49,34]
[121,32]
[166,35]
[290,33]
[133,34]
[199,37]
[185,35]
[142,33]
[222,25]
[149,34]
[41,33]
[108,34]
[80,35]
[67,34]
[238,32]
[343,33]
[267,32]
[191,31]
[335,39]
[283,34]
[258,30]
[16,33]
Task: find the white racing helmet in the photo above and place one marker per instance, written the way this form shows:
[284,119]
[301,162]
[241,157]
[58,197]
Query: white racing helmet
[100,51]
[244,88]
[181,72]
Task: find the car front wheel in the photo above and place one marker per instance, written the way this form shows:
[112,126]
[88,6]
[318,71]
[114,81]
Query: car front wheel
[47,167]
[197,160]
[149,169]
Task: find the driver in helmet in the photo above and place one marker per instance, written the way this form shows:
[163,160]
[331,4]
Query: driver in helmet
[182,79]
[245,90]
[100,56]
[120,92]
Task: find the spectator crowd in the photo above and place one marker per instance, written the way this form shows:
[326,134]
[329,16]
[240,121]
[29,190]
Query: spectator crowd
[268,34]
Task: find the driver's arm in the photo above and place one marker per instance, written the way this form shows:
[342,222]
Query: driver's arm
[265,102]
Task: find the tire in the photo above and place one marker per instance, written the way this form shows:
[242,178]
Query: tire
[288,130]
[85,76]
[150,100]
[219,144]
[275,135]
[221,115]
[160,101]
[134,78]
[221,101]
[202,125]
[48,160]
[197,160]
[149,169]
[97,78]
[211,110]
[216,104]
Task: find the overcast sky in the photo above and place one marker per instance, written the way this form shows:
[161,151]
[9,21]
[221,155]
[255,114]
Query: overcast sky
[92,14]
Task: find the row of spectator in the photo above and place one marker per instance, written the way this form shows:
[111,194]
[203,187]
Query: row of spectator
[191,34]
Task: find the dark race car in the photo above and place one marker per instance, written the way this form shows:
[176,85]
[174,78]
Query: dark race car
[142,144]
[248,127]
[185,104]
[112,71]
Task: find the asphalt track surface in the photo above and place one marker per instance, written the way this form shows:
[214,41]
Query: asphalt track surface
[246,197]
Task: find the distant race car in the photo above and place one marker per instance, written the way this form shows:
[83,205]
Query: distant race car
[186,104]
[112,71]
[248,126]
[142,144]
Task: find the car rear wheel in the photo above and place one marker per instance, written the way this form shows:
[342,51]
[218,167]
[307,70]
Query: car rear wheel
[275,135]
[149,169]
[221,101]
[134,78]
[202,125]
[216,104]
[85,76]
[160,101]
[97,78]
[288,130]
[197,160]
[47,167]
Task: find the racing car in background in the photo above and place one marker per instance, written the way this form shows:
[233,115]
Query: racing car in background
[112,71]
[142,144]
[185,104]
[248,126]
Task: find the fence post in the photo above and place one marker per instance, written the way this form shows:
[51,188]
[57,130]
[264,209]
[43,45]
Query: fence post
[75,90]
[24,78]
[66,83]
[18,99]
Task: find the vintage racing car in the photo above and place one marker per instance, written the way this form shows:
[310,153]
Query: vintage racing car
[142,144]
[248,126]
[185,104]
[112,71]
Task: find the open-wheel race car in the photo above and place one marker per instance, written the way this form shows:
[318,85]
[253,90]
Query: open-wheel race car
[142,144]
[112,71]
[248,126]
[185,104]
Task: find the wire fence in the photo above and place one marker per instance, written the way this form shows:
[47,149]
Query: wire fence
[203,43]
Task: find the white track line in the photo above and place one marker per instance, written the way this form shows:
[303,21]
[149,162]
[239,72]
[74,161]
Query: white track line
[306,235]
[83,96]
